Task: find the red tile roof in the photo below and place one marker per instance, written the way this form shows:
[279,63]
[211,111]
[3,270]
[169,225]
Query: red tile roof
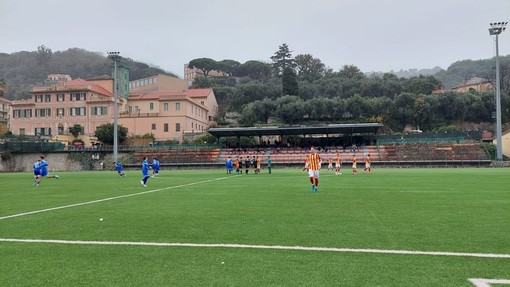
[77,83]
[199,92]
[192,93]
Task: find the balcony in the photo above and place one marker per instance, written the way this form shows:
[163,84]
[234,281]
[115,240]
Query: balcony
[138,115]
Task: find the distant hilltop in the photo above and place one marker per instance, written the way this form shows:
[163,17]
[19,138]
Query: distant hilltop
[409,73]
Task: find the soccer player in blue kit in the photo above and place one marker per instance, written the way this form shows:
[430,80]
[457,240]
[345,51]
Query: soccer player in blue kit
[145,172]
[155,167]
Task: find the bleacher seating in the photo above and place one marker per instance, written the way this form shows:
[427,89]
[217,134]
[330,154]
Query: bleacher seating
[389,154]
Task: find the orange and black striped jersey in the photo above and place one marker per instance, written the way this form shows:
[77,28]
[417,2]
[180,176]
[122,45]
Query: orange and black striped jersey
[338,160]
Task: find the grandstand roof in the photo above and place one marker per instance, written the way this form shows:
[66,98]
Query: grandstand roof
[362,128]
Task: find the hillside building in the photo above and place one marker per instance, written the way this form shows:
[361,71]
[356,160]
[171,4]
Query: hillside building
[53,109]
[160,105]
[478,84]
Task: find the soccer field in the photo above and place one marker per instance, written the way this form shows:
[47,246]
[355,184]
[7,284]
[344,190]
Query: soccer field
[394,227]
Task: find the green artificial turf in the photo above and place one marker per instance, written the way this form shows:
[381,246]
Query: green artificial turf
[464,210]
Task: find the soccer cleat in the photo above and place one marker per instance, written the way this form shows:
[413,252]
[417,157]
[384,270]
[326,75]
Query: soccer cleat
[57,177]
[144,185]
[316,189]
[141,181]
[313,187]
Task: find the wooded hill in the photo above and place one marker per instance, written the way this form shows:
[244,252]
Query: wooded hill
[22,70]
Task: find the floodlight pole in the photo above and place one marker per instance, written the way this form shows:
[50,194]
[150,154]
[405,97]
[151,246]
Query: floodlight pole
[115,57]
[495,30]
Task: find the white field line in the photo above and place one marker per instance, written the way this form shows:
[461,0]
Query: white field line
[479,282]
[110,198]
[247,246]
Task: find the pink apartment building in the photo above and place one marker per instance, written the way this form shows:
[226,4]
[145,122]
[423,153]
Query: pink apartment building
[160,105]
[170,115]
[54,108]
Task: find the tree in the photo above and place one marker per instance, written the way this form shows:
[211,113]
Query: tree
[290,109]
[76,130]
[422,85]
[228,67]
[205,138]
[282,59]
[289,82]
[2,87]
[309,68]
[104,133]
[205,64]
[254,69]
[43,55]
[350,71]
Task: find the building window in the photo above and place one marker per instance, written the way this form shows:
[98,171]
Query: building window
[60,97]
[153,127]
[77,111]
[202,102]
[177,106]
[39,113]
[77,96]
[178,127]
[47,98]
[98,111]
[165,127]
[38,98]
[165,107]
[151,106]
[43,131]
[21,132]
[60,129]
[22,113]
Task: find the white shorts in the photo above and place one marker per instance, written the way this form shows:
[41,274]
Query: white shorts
[354,165]
[337,165]
[330,165]
[313,173]
[367,165]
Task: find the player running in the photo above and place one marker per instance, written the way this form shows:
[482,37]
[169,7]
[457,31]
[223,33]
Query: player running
[354,164]
[313,172]
[145,172]
[118,167]
[368,164]
[155,167]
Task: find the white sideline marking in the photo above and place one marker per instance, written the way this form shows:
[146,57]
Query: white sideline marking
[109,198]
[479,282]
[225,245]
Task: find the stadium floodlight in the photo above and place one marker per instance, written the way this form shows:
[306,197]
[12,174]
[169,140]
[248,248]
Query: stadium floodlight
[495,30]
[115,57]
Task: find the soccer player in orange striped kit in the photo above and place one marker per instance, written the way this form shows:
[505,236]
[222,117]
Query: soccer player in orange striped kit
[313,171]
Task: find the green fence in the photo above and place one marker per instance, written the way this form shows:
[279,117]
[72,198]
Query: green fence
[31,146]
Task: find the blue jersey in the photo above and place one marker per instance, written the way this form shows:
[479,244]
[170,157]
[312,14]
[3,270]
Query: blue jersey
[229,163]
[145,168]
[43,165]
[118,167]
[37,168]
[155,165]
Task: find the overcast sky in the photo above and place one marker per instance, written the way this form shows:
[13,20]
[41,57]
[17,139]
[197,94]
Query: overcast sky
[375,35]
